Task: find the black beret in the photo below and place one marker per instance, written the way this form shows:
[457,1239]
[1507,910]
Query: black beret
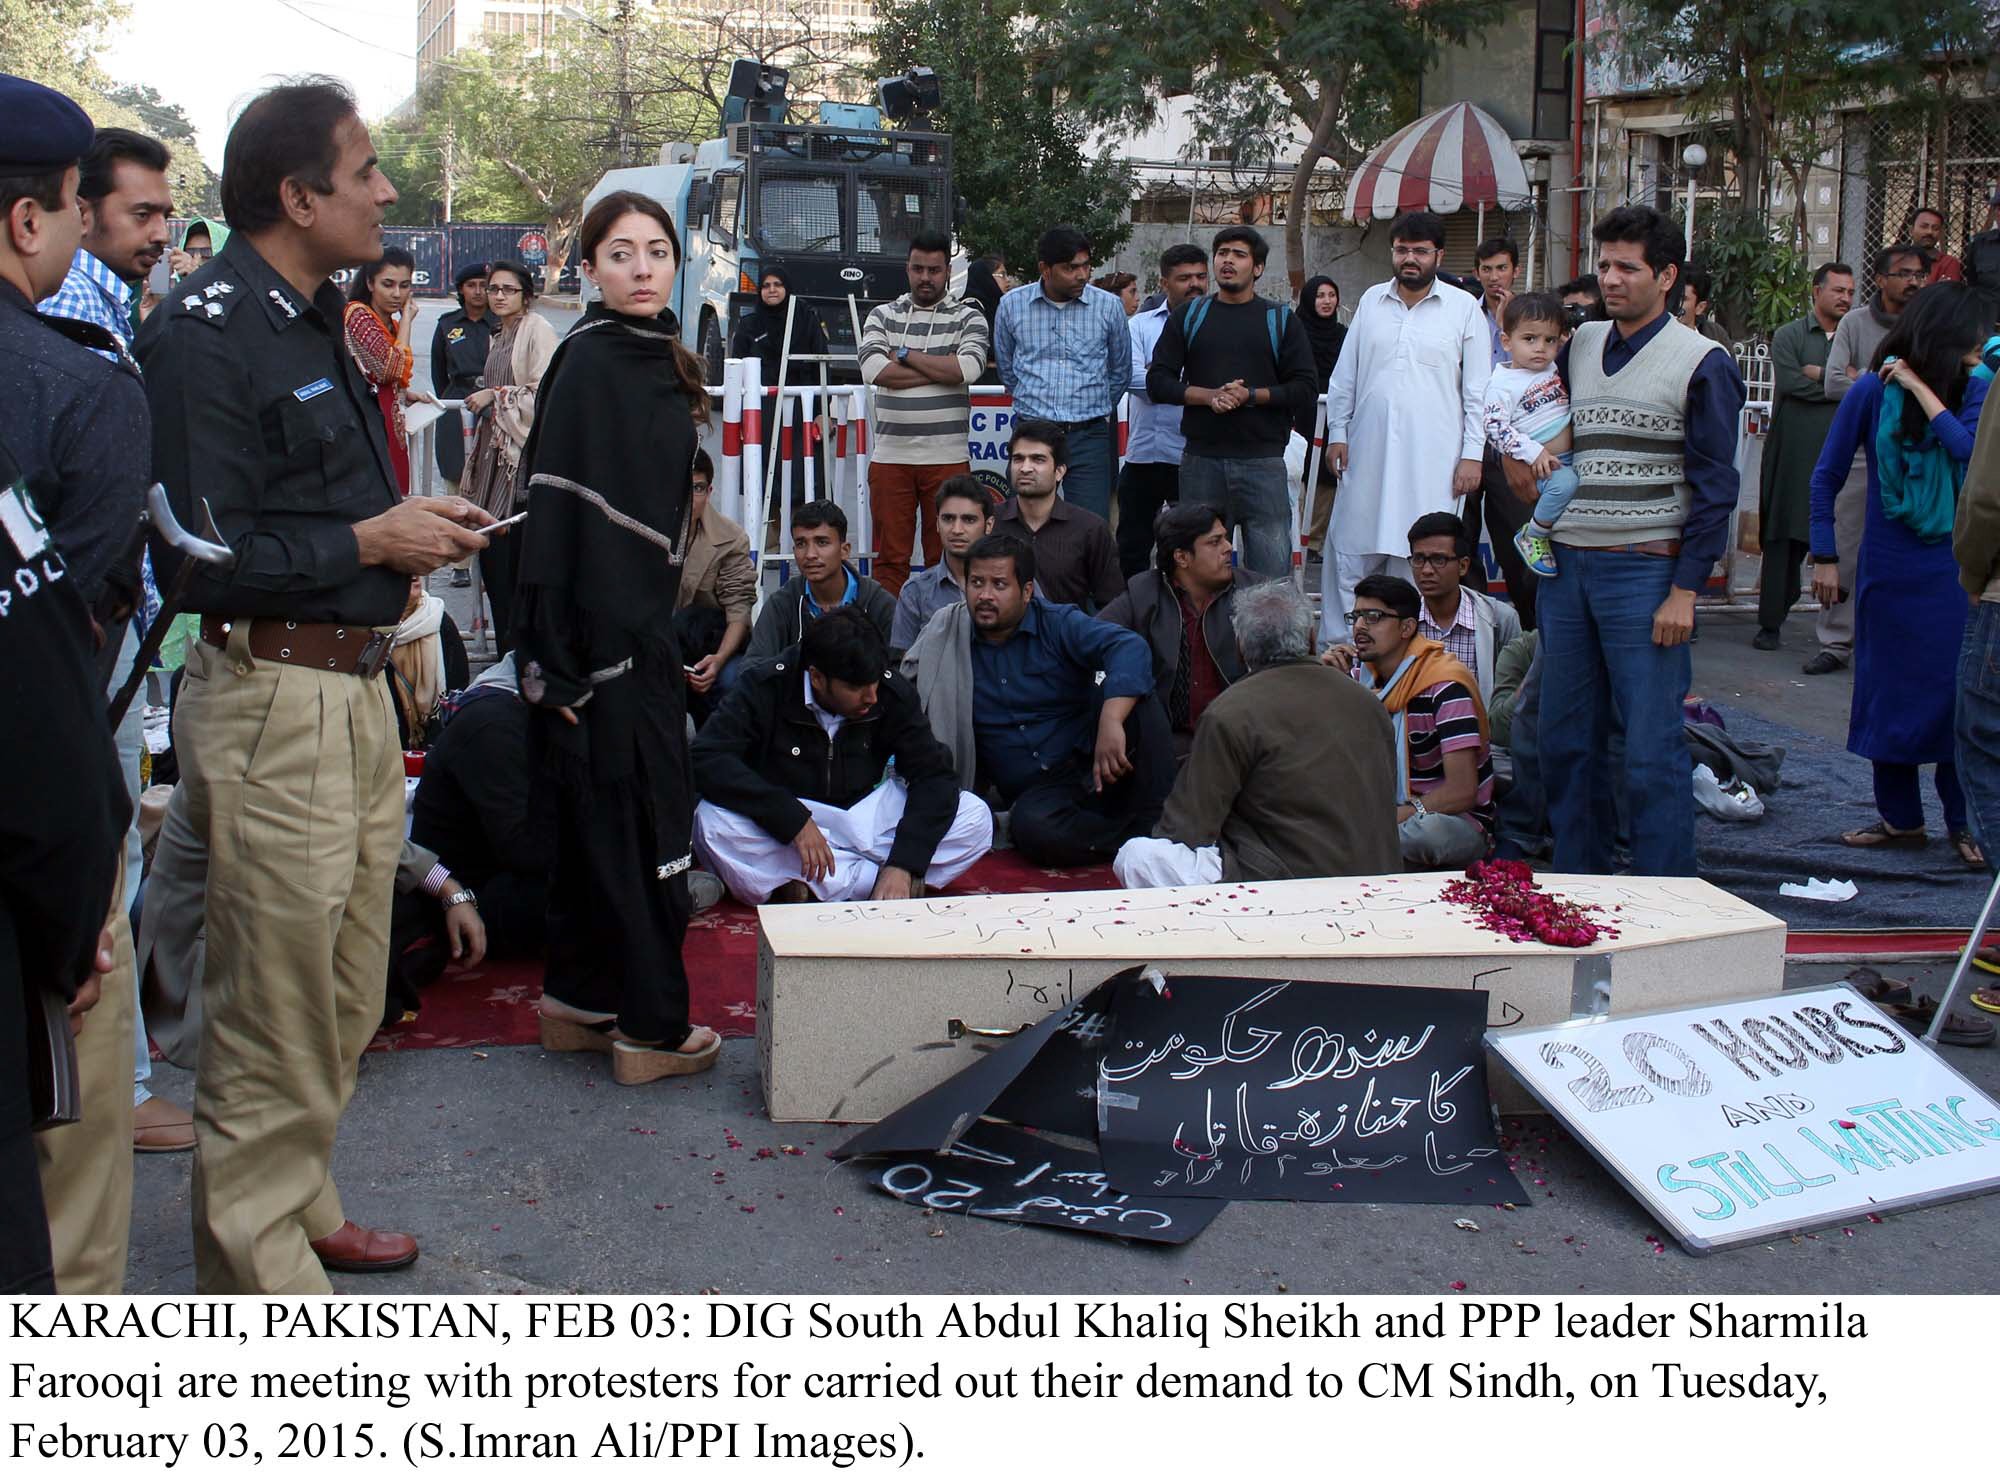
[472,272]
[40,129]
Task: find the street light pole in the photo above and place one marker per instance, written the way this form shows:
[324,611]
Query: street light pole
[1692,157]
[624,44]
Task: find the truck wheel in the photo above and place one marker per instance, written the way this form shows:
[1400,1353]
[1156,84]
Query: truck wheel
[711,349]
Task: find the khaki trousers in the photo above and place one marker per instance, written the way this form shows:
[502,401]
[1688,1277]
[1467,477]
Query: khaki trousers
[294,783]
[87,1166]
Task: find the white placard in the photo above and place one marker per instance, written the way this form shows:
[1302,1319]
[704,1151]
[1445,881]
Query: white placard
[1739,1121]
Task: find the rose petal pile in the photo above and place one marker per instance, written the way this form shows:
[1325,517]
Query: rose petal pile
[1504,897]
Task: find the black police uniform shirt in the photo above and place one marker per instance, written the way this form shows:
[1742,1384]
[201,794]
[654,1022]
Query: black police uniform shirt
[75,425]
[458,353]
[259,408]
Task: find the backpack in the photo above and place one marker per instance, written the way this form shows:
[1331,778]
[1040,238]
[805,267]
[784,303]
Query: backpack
[1277,318]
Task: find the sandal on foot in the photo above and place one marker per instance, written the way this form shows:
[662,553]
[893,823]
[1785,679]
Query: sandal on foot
[1878,989]
[1987,959]
[642,1063]
[1969,853]
[1960,1029]
[1986,999]
[568,1030]
[1879,835]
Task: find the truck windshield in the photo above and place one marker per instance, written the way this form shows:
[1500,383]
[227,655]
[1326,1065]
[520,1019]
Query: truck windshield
[799,213]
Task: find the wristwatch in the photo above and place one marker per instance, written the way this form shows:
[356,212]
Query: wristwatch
[1417,809]
[461,897]
[903,354]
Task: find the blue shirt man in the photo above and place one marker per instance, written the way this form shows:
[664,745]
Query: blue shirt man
[1063,350]
[1064,717]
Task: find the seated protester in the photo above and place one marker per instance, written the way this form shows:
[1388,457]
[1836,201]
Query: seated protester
[1445,814]
[1472,626]
[718,574]
[1052,708]
[964,515]
[1293,773]
[426,659]
[820,550]
[799,799]
[1075,558]
[1508,682]
[1181,607]
[471,810]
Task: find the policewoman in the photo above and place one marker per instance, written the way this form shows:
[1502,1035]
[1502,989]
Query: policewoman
[284,725]
[458,361]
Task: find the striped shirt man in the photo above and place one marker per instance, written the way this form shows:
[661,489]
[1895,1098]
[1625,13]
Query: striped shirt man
[1444,719]
[928,425]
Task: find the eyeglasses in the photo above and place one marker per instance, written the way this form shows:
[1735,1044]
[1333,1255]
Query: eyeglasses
[1432,559]
[1369,618]
[503,291]
[1906,275]
[1415,253]
[201,253]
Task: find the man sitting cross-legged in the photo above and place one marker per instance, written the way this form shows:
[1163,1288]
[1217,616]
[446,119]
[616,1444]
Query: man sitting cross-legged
[797,798]
[1444,812]
[1293,773]
[1051,707]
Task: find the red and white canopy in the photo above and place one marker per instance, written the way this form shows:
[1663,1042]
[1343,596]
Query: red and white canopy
[1455,158]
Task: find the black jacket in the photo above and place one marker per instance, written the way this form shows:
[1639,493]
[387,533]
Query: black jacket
[1149,609]
[1981,264]
[764,750]
[782,620]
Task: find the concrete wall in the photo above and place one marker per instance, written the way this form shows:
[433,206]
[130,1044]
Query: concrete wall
[1353,258]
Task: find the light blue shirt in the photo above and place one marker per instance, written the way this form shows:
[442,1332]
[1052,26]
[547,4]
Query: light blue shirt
[1153,430]
[93,293]
[1063,362]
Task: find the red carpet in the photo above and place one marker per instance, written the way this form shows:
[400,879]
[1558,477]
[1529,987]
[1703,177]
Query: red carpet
[494,1003]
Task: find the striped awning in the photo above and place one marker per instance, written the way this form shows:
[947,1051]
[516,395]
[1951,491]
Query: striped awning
[1456,158]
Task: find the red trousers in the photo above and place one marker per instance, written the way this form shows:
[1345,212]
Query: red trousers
[898,495]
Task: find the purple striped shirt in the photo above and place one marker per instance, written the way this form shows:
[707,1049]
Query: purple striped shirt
[1444,719]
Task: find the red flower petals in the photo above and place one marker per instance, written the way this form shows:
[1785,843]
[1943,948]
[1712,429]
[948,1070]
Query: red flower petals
[1505,898]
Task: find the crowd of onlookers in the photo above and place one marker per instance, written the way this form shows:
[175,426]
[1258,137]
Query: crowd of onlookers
[1159,696]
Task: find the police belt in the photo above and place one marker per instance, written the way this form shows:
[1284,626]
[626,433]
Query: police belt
[345,649]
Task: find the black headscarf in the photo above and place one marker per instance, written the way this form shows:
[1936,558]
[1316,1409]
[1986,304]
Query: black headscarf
[1327,333]
[609,466]
[981,287]
[762,334]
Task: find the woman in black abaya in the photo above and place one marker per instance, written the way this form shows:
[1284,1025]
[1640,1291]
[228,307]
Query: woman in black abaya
[1319,310]
[762,336]
[609,510]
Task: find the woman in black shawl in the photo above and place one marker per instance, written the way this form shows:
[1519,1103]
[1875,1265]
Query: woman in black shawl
[1319,310]
[609,508]
[762,336]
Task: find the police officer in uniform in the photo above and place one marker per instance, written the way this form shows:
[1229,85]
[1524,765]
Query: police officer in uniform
[74,426]
[284,726]
[458,361]
[62,806]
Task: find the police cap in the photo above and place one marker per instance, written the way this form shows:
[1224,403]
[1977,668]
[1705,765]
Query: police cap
[40,129]
[472,271]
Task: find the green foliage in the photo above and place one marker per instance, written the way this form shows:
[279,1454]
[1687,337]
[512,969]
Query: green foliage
[1762,279]
[1340,71]
[59,44]
[1017,158]
[527,134]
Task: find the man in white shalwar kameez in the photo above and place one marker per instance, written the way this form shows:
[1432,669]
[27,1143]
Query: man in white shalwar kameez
[1402,415]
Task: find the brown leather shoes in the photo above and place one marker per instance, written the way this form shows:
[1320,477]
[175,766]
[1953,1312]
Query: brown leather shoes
[160,1125]
[359,1250]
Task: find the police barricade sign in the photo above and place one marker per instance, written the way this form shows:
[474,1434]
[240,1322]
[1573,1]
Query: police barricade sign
[1741,1121]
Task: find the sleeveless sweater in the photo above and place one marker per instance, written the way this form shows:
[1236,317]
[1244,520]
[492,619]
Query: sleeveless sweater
[1628,437]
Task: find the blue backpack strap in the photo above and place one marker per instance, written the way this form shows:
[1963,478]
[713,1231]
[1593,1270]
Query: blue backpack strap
[1277,320]
[1196,315]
